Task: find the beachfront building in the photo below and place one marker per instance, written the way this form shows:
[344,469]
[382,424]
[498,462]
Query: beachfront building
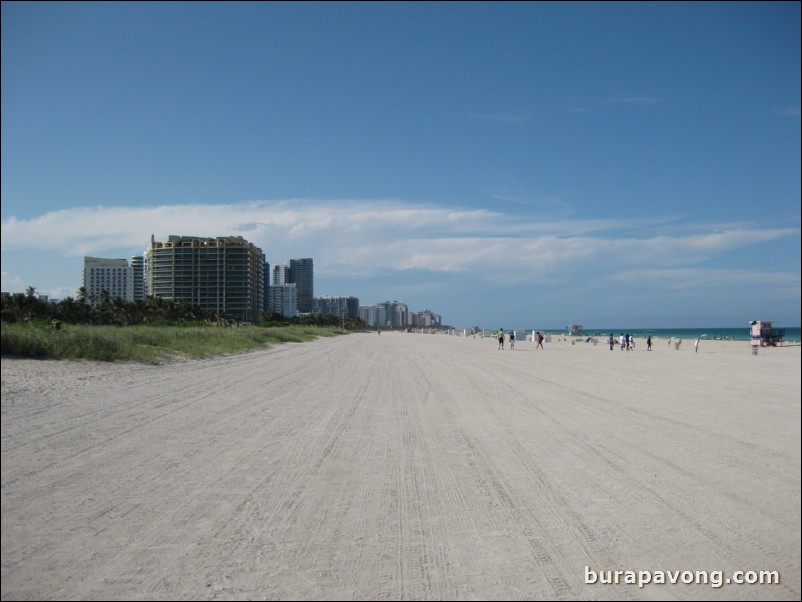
[388,314]
[138,272]
[425,318]
[302,274]
[373,315]
[281,274]
[342,307]
[392,314]
[107,279]
[266,302]
[284,299]
[299,273]
[223,275]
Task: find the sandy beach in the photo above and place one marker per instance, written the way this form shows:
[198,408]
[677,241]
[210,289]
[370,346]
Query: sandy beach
[404,466]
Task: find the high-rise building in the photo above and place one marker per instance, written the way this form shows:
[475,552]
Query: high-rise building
[284,300]
[426,318]
[223,275]
[396,312]
[281,274]
[302,275]
[342,307]
[266,303]
[374,315]
[107,278]
[138,274]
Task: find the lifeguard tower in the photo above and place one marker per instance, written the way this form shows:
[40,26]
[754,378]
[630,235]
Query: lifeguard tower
[575,330]
[764,335]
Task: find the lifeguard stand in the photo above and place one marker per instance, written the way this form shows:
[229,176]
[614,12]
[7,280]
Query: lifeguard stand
[764,335]
[576,330]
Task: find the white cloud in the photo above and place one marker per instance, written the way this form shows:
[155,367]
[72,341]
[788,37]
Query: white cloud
[632,99]
[11,283]
[509,117]
[790,111]
[699,278]
[360,238]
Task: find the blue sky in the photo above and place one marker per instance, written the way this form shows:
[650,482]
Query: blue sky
[507,165]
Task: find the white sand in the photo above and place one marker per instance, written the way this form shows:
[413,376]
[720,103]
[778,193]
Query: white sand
[402,466]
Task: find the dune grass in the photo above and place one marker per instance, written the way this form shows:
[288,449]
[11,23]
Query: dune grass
[146,344]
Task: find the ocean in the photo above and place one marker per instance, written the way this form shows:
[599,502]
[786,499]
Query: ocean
[792,335]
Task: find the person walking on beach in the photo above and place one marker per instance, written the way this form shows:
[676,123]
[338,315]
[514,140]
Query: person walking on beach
[501,338]
[512,339]
[630,342]
[622,341]
[612,341]
[649,343]
[539,340]
[696,345]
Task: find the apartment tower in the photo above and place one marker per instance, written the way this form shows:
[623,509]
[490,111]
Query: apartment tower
[302,275]
[138,272]
[223,275]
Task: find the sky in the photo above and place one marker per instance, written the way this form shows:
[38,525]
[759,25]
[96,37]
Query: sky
[506,165]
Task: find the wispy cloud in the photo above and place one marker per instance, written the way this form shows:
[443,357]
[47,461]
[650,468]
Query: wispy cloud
[632,99]
[11,282]
[789,111]
[360,237]
[510,117]
[701,278]
[547,207]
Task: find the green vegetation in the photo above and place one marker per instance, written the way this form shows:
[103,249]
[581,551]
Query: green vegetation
[149,331]
[146,344]
[21,308]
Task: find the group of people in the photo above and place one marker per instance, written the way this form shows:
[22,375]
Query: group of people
[627,341]
[678,342]
[537,335]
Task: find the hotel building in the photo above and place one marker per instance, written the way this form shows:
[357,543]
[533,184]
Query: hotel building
[112,277]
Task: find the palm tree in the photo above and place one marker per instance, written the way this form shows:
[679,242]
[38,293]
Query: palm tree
[71,311]
[119,312]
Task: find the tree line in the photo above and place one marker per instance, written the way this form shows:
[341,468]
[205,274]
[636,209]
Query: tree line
[28,307]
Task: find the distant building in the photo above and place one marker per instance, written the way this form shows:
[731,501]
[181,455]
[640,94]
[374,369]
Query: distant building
[138,273]
[397,314]
[373,315]
[266,303]
[302,274]
[426,318]
[223,275]
[107,278]
[394,314]
[342,307]
[281,274]
[284,299]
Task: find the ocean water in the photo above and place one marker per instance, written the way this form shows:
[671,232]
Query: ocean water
[792,335]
